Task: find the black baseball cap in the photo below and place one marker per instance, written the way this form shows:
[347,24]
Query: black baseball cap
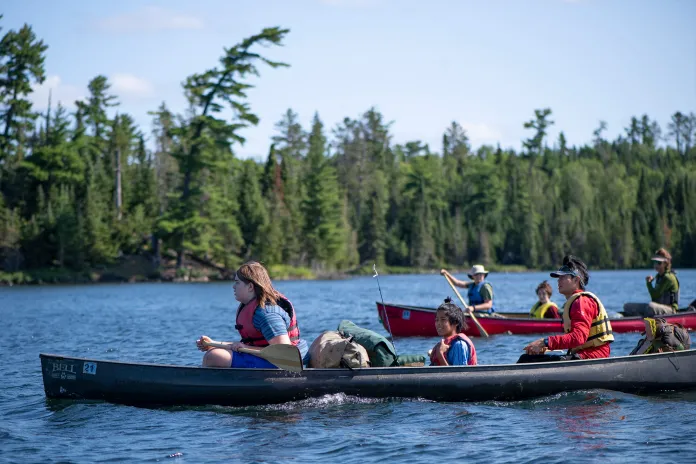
[564,270]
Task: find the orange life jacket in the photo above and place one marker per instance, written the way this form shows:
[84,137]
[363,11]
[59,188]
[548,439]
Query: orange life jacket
[448,341]
[252,336]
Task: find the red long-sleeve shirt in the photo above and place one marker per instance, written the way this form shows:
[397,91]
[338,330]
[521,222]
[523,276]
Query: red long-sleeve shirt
[582,312]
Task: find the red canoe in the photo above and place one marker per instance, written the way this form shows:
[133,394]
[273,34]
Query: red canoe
[415,321]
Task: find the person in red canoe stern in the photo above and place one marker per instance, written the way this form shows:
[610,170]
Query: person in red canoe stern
[544,308]
[586,325]
[455,348]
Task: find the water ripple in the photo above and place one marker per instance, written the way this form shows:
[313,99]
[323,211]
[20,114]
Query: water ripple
[159,323]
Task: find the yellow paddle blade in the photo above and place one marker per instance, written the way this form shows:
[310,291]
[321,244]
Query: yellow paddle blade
[285,357]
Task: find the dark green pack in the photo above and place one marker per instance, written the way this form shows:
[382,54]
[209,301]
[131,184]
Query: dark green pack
[379,349]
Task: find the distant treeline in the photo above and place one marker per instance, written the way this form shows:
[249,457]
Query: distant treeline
[80,189]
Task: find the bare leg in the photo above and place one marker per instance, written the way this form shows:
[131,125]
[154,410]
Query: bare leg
[217,357]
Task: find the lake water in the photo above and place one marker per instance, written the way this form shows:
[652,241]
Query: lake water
[160,322]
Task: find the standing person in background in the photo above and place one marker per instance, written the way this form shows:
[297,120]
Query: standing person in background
[480,292]
[544,308]
[586,325]
[664,293]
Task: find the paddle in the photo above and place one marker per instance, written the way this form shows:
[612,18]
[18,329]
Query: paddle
[482,331]
[285,357]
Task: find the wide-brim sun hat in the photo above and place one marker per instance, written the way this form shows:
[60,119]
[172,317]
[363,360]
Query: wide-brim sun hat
[477,269]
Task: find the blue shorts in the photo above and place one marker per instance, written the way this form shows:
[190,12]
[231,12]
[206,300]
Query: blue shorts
[249,361]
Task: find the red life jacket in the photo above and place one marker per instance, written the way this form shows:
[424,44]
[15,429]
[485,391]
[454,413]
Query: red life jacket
[448,341]
[253,337]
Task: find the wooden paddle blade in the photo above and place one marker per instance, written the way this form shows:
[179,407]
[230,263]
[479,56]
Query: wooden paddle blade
[285,357]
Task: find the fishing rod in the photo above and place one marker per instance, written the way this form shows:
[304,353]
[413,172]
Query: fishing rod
[386,316]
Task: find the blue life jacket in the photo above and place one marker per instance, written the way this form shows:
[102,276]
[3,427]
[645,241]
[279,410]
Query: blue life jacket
[475,297]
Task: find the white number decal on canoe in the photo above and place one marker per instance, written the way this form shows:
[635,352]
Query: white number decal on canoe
[406,314]
[89,368]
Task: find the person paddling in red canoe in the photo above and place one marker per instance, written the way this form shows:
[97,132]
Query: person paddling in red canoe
[264,317]
[480,292]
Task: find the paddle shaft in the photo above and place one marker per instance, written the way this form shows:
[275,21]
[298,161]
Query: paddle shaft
[482,331]
[227,346]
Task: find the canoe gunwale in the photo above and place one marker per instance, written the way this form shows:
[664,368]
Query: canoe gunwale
[410,321]
[164,384]
[622,318]
[382,370]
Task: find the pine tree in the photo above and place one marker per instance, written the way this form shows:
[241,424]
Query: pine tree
[535,144]
[21,63]
[253,216]
[10,234]
[322,206]
[207,136]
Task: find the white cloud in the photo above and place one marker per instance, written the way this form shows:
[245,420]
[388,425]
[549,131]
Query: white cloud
[130,86]
[481,133]
[151,19]
[66,94]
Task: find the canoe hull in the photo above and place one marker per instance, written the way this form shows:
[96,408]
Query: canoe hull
[415,321]
[154,384]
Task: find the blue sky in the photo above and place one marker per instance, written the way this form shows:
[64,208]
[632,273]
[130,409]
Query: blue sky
[487,65]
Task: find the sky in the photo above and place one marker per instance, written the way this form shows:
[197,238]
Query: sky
[423,64]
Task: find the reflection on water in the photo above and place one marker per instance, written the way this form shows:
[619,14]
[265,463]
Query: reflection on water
[588,419]
[159,323]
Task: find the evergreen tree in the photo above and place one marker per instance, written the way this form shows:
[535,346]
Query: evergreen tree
[22,59]
[207,135]
[535,144]
[253,216]
[322,206]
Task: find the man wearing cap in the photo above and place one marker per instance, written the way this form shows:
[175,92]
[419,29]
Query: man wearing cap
[665,292]
[480,292]
[586,325]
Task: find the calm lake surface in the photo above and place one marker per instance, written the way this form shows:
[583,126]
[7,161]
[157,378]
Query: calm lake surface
[160,322]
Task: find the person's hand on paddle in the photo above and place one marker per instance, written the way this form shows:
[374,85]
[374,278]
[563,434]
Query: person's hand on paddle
[536,347]
[444,272]
[202,343]
[649,279]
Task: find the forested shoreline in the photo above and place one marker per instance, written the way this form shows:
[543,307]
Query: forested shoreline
[85,192]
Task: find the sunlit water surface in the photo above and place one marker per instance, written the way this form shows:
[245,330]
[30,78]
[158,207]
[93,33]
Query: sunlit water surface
[159,323]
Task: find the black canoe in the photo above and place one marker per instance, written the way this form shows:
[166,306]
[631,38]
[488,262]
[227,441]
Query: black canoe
[156,384]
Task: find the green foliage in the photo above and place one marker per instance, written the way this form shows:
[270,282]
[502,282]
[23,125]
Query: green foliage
[205,138]
[253,216]
[81,191]
[322,206]
[21,63]
[539,125]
